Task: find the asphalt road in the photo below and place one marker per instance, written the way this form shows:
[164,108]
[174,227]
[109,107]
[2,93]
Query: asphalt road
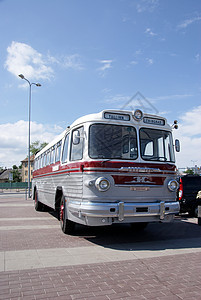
[38,261]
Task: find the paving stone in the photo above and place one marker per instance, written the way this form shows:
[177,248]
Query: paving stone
[163,263]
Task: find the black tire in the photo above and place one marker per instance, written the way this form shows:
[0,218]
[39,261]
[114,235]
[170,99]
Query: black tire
[139,226]
[196,212]
[37,204]
[67,226]
[193,213]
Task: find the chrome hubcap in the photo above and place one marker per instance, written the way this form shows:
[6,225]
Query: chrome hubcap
[62,212]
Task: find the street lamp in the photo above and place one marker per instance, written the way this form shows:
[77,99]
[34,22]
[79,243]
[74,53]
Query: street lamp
[29,169]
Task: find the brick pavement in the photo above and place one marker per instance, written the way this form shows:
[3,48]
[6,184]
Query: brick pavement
[153,273]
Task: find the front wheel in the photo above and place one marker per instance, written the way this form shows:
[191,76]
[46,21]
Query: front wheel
[67,226]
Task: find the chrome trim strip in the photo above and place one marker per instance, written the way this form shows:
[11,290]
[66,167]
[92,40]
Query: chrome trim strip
[139,185]
[140,169]
[89,169]
[57,172]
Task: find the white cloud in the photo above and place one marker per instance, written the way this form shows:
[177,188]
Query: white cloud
[138,52]
[118,99]
[171,97]
[134,62]
[22,58]
[72,61]
[131,103]
[197,57]
[150,61]
[191,122]
[188,22]
[14,140]
[189,134]
[105,66]
[147,5]
[150,32]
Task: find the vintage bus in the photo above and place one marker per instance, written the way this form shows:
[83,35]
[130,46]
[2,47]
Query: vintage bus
[114,166]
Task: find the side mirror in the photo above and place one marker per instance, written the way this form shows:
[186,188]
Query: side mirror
[177,145]
[76,137]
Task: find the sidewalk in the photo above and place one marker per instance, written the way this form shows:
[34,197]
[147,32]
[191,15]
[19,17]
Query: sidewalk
[37,261]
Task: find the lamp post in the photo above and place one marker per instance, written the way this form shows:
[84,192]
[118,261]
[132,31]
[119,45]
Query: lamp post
[29,169]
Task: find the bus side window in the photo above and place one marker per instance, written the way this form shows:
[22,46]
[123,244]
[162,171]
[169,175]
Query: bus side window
[52,155]
[58,151]
[37,164]
[77,144]
[48,158]
[44,160]
[40,162]
[65,149]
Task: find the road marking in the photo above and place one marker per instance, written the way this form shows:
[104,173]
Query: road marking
[25,227]
[57,257]
[25,219]
[15,204]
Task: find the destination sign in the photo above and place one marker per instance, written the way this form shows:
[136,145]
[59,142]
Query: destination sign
[114,116]
[153,121]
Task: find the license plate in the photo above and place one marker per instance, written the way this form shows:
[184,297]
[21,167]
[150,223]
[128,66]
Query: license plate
[139,188]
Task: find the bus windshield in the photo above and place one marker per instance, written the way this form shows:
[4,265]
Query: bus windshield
[156,145]
[112,141]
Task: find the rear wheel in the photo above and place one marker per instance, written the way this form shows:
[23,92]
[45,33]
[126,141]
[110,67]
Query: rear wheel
[67,226]
[37,204]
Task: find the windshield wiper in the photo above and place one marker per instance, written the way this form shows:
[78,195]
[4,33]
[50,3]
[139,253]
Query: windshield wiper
[115,157]
[157,158]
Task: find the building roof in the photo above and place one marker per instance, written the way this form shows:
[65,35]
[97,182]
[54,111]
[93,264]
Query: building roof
[31,158]
[5,174]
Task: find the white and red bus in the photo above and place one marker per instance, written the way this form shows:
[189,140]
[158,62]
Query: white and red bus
[115,166]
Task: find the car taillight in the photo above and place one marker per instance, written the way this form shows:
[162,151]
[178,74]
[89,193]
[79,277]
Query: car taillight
[180,189]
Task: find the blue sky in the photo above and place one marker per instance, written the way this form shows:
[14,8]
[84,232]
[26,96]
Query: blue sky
[90,55]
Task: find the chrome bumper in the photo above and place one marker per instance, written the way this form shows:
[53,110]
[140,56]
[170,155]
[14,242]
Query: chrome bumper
[122,210]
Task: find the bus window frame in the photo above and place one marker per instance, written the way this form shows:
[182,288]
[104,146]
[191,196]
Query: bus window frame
[66,138]
[58,145]
[80,143]
[121,125]
[156,147]
[52,151]
[48,157]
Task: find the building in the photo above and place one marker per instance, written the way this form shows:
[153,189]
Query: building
[25,168]
[6,175]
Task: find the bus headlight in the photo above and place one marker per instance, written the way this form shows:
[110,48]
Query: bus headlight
[102,184]
[173,185]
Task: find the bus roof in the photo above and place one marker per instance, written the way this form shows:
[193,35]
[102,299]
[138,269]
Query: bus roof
[113,115]
[119,115]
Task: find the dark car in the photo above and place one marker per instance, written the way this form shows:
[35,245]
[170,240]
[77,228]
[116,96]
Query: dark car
[189,194]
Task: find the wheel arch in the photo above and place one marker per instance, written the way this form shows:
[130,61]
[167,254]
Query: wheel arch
[58,196]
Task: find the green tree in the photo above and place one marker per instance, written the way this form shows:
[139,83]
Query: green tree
[16,174]
[189,171]
[37,146]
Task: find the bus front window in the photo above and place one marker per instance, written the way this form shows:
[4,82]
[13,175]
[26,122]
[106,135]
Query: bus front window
[112,141]
[156,145]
